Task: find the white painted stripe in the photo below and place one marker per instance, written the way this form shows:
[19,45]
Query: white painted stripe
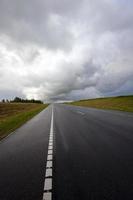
[50,147]
[82,113]
[48,184]
[50,152]
[47,196]
[48,172]
[49,164]
[51,128]
[50,157]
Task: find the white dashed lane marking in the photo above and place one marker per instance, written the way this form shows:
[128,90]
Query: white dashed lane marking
[81,113]
[47,195]
[50,152]
[48,173]
[48,184]
[50,157]
[50,147]
[49,164]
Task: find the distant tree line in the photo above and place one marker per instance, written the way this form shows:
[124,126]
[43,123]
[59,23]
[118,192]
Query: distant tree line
[20,100]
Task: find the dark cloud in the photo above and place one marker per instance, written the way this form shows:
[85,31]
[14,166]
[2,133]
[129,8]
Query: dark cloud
[40,22]
[63,50]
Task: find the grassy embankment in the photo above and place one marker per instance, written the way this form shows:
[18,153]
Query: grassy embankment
[13,115]
[123,103]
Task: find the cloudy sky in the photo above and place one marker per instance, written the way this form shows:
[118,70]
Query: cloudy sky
[57,50]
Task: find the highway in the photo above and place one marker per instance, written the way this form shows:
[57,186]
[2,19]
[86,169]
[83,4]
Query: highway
[91,156]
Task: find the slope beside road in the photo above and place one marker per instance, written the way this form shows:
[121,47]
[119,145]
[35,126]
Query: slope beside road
[122,103]
[13,115]
[92,156]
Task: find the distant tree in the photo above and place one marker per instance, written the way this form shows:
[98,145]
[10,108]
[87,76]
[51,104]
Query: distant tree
[3,100]
[19,100]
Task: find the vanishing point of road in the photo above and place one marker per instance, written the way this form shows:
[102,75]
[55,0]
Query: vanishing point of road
[69,153]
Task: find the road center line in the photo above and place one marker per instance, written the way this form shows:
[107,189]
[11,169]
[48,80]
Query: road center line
[50,152]
[47,195]
[81,113]
[50,157]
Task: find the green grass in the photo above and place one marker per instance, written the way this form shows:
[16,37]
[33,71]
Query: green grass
[123,103]
[13,115]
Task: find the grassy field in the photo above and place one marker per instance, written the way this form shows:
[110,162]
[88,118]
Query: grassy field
[13,115]
[123,103]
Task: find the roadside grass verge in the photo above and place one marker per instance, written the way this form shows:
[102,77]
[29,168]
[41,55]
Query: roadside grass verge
[13,115]
[122,103]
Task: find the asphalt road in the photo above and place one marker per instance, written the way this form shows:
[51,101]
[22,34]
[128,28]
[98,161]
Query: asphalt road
[23,158]
[92,156]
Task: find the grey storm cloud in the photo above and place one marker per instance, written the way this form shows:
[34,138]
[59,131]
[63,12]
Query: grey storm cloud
[37,22]
[58,50]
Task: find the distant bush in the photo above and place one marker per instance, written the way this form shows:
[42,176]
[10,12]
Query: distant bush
[19,100]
